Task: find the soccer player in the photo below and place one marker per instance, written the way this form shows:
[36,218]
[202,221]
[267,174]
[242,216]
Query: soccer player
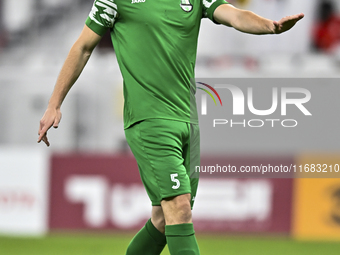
[156,43]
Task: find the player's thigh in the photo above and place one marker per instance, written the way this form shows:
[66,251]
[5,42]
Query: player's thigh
[157,145]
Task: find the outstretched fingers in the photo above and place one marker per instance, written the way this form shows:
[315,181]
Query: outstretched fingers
[43,133]
[287,23]
[45,139]
[296,17]
[50,119]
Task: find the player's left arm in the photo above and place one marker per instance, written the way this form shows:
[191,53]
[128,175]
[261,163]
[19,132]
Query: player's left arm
[249,22]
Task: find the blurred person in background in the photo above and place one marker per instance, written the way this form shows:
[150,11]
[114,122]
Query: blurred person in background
[326,32]
[156,50]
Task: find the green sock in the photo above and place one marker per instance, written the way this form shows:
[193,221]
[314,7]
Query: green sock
[181,239]
[148,241]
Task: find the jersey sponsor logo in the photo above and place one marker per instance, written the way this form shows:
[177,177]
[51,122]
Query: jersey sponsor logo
[186,5]
[137,1]
[104,11]
[208,3]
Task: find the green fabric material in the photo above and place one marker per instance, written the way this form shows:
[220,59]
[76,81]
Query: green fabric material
[155,234]
[148,241]
[167,152]
[185,229]
[181,239]
[156,45]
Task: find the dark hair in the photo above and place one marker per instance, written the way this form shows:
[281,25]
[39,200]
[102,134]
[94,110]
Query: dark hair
[326,10]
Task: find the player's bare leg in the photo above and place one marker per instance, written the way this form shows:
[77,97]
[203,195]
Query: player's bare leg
[179,230]
[177,210]
[157,218]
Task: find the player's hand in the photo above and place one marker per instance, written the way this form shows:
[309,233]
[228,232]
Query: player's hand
[286,23]
[51,118]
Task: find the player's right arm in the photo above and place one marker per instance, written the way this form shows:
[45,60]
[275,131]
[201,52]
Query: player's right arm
[72,68]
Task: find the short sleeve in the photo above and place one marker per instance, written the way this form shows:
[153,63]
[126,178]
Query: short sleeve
[209,7]
[102,16]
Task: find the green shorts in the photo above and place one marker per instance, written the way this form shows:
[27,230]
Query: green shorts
[167,152]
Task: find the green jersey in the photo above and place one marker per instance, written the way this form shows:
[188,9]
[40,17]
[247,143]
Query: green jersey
[156,44]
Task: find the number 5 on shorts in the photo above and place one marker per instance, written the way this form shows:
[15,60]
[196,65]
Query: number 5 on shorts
[173,179]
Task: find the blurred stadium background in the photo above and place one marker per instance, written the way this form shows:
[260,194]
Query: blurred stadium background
[83,194]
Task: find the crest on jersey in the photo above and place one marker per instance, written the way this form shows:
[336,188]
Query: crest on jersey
[186,5]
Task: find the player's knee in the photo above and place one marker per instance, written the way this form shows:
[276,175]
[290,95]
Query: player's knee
[184,212]
[177,210]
